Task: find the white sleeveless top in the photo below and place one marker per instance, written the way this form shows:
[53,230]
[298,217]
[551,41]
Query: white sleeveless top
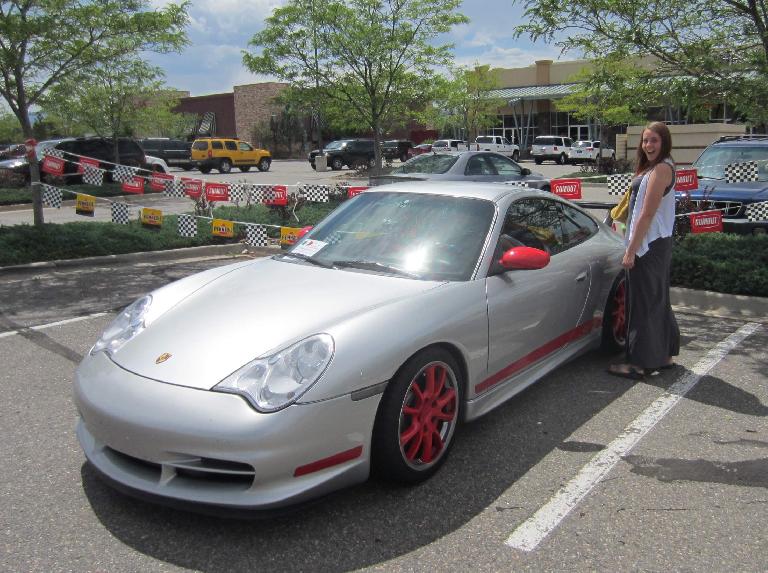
[663,221]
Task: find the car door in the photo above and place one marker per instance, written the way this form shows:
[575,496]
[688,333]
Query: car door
[233,152]
[534,314]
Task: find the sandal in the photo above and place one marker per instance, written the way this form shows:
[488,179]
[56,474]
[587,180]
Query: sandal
[626,371]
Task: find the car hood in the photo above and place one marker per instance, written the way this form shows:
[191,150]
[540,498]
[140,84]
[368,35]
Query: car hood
[400,177]
[251,312]
[721,191]
[16,163]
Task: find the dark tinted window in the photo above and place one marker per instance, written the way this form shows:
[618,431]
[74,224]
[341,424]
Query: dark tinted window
[152,144]
[231,145]
[216,145]
[427,164]
[547,141]
[128,146]
[200,145]
[479,165]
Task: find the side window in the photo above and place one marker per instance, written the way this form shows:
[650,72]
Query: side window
[568,142]
[503,165]
[478,165]
[216,144]
[533,222]
[231,145]
[596,144]
[245,147]
[577,226]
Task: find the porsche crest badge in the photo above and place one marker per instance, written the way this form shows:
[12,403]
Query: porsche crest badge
[162,358]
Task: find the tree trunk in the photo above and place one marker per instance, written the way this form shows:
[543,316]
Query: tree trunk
[34,169]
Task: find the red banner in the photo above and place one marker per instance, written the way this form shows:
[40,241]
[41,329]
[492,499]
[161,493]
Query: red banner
[707,222]
[217,192]
[192,187]
[135,185]
[157,181]
[86,161]
[279,196]
[352,191]
[53,165]
[686,180]
[567,188]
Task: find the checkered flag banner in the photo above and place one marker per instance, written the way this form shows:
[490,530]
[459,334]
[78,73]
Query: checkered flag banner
[53,152]
[619,183]
[741,172]
[174,187]
[124,174]
[238,191]
[51,196]
[517,183]
[187,226]
[256,235]
[259,192]
[316,193]
[93,175]
[121,213]
[757,212]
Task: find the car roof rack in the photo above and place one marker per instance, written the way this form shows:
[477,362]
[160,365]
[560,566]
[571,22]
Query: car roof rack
[745,137]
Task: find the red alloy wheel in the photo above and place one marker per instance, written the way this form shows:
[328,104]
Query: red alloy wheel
[618,313]
[428,415]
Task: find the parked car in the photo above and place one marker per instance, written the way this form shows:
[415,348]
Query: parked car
[419,149]
[396,149]
[13,151]
[157,164]
[551,147]
[103,149]
[413,308]
[484,166]
[449,145]
[587,151]
[223,153]
[352,153]
[498,144]
[175,152]
[714,192]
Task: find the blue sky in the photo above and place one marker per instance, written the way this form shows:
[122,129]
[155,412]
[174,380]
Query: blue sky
[220,29]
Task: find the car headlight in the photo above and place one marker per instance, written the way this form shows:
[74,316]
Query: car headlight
[125,326]
[277,381]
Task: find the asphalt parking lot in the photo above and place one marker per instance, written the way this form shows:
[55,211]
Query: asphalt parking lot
[581,472]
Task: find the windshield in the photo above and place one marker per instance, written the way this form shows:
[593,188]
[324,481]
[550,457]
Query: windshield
[434,164]
[428,237]
[711,164]
[336,144]
[484,140]
[583,144]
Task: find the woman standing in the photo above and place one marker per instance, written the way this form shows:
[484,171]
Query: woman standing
[653,337]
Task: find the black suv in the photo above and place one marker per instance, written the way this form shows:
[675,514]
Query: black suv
[396,149]
[175,152]
[731,194]
[354,153]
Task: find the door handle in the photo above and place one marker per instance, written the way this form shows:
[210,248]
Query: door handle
[581,276]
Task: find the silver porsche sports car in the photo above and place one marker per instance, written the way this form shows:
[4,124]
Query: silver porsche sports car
[409,309]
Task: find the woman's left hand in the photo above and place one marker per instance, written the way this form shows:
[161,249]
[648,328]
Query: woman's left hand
[629,260]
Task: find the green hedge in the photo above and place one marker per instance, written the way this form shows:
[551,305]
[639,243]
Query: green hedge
[719,262]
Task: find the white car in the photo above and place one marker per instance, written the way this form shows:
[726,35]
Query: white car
[586,150]
[553,147]
[157,164]
[499,145]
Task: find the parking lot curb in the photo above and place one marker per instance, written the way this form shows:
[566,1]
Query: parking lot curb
[206,251]
[751,308]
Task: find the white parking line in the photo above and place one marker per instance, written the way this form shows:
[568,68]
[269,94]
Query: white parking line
[533,531]
[57,323]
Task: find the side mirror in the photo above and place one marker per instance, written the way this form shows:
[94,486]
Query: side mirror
[525,171]
[524,258]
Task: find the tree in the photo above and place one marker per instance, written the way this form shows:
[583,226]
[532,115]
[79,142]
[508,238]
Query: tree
[465,101]
[44,43]
[717,48]
[10,132]
[373,57]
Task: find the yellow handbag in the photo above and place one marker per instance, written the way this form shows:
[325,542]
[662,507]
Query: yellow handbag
[619,212]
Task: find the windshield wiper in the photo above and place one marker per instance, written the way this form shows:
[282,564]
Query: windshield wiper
[307,258]
[374,266]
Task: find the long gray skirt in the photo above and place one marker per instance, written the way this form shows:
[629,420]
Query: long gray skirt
[652,332]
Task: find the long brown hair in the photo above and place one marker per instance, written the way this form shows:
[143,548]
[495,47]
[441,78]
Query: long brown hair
[661,129]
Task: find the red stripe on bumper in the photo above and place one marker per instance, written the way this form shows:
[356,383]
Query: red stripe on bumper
[328,462]
[574,334]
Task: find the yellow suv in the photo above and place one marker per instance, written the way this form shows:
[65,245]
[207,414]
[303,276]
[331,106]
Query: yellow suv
[224,153]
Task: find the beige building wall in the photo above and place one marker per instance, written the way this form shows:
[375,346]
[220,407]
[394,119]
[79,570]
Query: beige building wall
[688,141]
[254,104]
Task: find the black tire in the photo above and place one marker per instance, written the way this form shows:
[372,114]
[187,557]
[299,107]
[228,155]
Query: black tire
[245,168]
[403,158]
[515,156]
[416,418]
[205,169]
[538,161]
[337,163]
[264,164]
[615,317]
[225,166]
[562,160]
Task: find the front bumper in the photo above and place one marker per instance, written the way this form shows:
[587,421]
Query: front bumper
[188,445]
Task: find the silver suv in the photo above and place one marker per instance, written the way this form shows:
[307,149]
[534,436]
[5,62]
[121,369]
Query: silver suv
[552,147]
